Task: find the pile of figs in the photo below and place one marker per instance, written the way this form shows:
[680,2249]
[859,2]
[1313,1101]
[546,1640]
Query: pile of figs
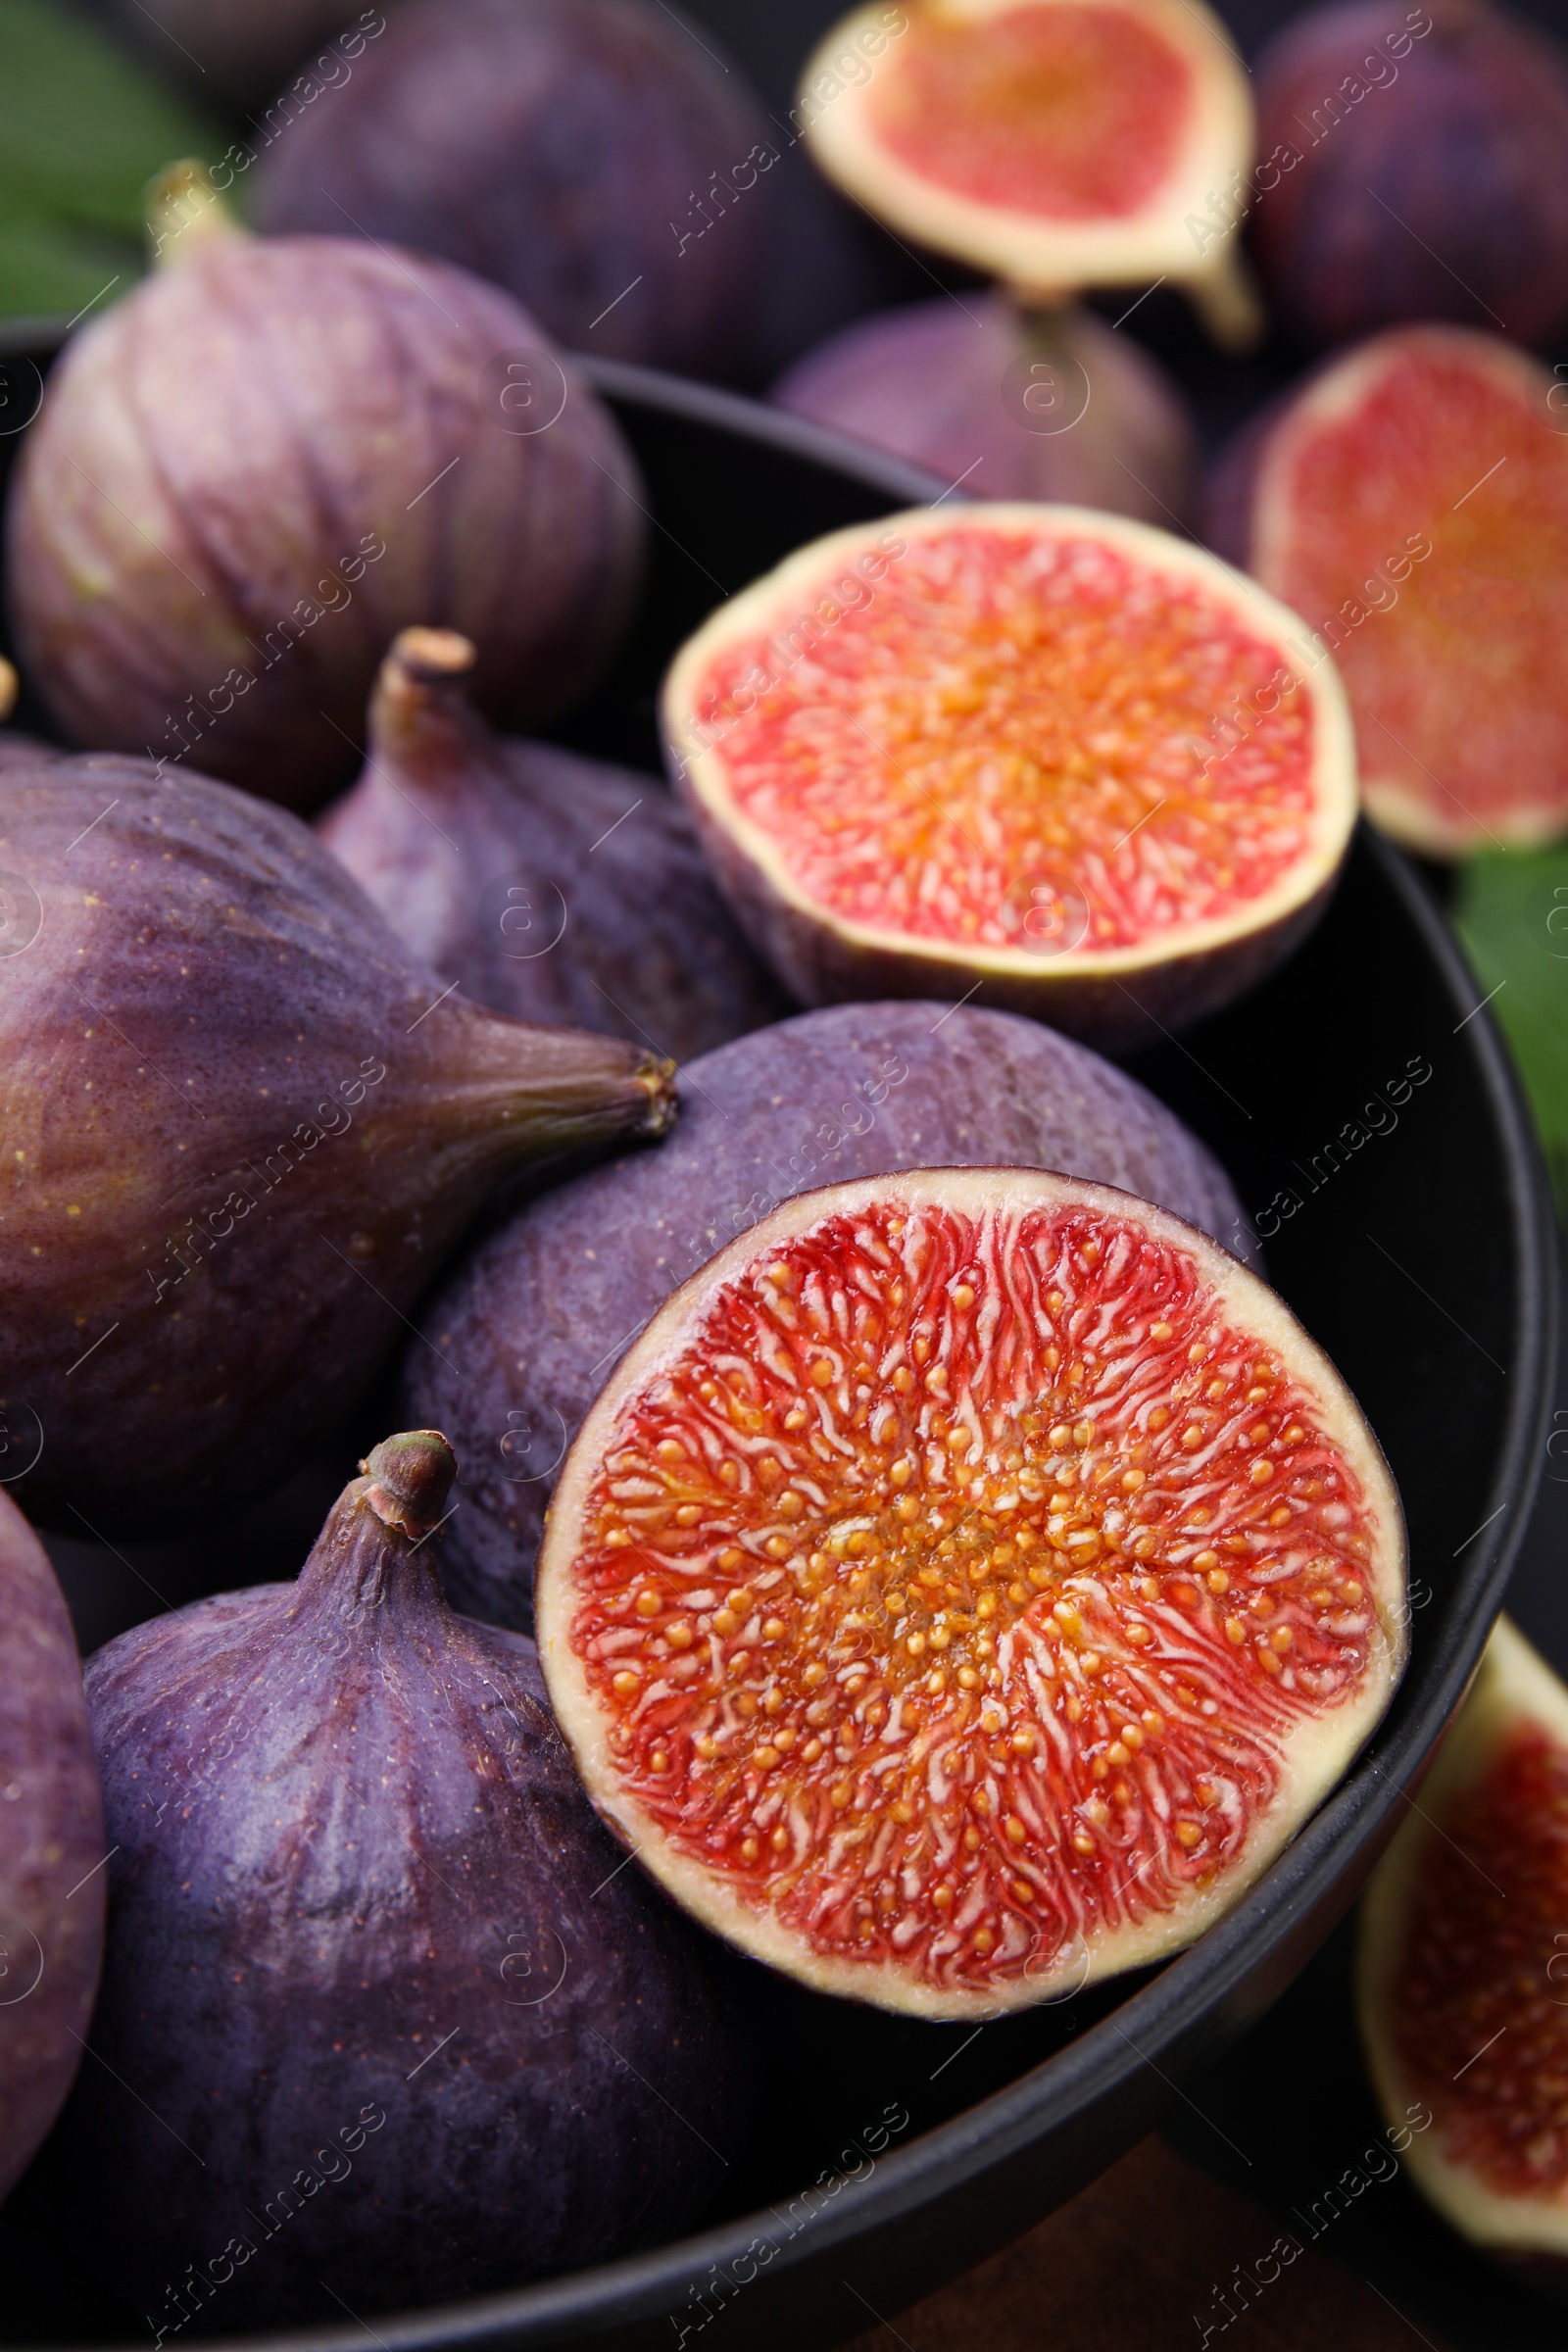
[854,1511]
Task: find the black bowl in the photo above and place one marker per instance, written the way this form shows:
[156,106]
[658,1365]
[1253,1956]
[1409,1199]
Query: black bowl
[893,2155]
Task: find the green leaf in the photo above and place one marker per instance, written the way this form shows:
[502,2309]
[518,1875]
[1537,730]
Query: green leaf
[1511,909]
[82,127]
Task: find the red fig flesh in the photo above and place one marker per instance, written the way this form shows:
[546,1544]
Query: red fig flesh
[547,885]
[1460,1965]
[1421,170]
[380,2017]
[1013,405]
[51,1841]
[998,747]
[213,536]
[967,1584]
[519,1339]
[1412,503]
[242,1126]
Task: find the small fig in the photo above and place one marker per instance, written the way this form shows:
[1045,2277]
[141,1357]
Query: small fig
[1418,168]
[275,454]
[242,1125]
[594,155]
[1010,403]
[545,885]
[382,2020]
[520,1340]
[51,1848]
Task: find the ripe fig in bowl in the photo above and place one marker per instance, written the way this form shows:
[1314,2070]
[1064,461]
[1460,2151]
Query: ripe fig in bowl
[1044,1577]
[1411,502]
[1013,404]
[1049,751]
[1421,171]
[596,156]
[382,2022]
[51,1842]
[519,1339]
[272,455]
[547,885]
[242,1125]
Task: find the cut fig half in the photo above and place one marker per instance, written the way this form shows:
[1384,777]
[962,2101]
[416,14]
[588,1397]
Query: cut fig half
[1462,1966]
[1039,751]
[1412,503]
[965,1586]
[1055,144]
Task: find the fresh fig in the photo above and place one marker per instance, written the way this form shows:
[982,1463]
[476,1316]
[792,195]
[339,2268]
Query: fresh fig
[1000,746]
[242,1125]
[51,1842]
[594,155]
[272,456]
[1420,170]
[1038,1577]
[1459,1968]
[1047,404]
[546,886]
[518,1344]
[367,1947]
[1053,145]
[1412,503]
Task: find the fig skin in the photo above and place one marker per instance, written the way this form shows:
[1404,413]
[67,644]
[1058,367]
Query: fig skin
[1464,137]
[355,1877]
[547,885]
[563,148]
[51,1843]
[243,1125]
[521,1338]
[309,434]
[949,385]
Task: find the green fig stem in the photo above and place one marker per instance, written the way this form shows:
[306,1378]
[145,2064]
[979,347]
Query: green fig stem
[184,211]
[412,1476]
[8,687]
[423,725]
[1226,298]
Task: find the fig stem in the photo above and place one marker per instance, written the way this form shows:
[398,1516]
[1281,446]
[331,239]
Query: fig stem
[8,687]
[411,1475]
[1226,298]
[423,724]
[183,210]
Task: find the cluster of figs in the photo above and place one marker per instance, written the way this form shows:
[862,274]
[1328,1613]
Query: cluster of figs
[878,1523]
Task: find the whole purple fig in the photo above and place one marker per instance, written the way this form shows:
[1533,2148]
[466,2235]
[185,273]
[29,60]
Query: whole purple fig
[1010,403]
[520,1338]
[1416,167]
[382,2020]
[275,453]
[51,1841]
[242,1125]
[545,885]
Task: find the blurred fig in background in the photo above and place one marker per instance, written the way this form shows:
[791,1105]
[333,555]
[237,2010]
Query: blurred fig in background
[243,1124]
[51,1838]
[547,885]
[238,50]
[1420,170]
[278,452]
[597,158]
[1009,402]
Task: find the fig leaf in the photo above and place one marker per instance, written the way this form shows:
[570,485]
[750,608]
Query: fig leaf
[1511,910]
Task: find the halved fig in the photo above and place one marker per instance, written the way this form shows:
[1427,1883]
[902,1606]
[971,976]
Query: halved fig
[1055,144]
[967,1584]
[1462,1965]
[1050,752]
[1412,503]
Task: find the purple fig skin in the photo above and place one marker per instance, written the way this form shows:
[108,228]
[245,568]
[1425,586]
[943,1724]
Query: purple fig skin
[947,384]
[1460,131]
[242,1127]
[269,458]
[369,1946]
[563,148]
[547,885]
[521,1338]
[51,1843]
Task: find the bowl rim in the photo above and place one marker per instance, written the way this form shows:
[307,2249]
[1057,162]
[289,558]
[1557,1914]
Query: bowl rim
[1168,2012]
